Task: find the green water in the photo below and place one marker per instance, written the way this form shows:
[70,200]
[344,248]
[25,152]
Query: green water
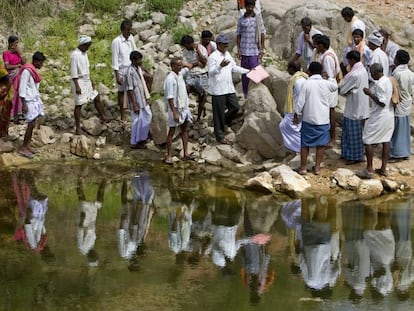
[170,253]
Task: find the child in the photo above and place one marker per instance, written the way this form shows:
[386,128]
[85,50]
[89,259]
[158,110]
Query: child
[32,105]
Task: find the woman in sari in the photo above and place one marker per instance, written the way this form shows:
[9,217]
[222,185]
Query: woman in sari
[13,59]
[6,96]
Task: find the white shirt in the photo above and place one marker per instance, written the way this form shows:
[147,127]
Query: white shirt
[121,49]
[330,63]
[314,100]
[351,86]
[171,88]
[391,50]
[220,78]
[192,57]
[358,24]
[304,48]
[29,90]
[379,56]
[405,79]
[79,65]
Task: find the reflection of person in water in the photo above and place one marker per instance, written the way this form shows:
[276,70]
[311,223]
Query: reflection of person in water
[403,264]
[136,215]
[381,244]
[225,219]
[319,256]
[32,207]
[356,262]
[88,211]
[256,261]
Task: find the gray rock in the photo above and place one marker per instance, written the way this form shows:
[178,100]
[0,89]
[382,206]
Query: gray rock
[160,73]
[81,146]
[224,23]
[93,126]
[6,146]
[212,155]
[87,29]
[159,124]
[158,17]
[260,129]
[277,84]
[369,189]
[262,182]
[146,34]
[346,179]
[288,181]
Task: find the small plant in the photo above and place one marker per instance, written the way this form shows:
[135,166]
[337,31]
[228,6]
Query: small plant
[170,7]
[99,5]
[179,31]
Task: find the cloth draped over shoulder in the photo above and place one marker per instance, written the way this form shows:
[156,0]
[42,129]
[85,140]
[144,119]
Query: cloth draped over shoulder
[396,93]
[33,72]
[289,103]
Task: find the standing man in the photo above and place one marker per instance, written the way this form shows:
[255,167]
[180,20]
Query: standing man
[330,68]
[354,22]
[291,132]
[83,89]
[207,41]
[196,79]
[390,48]
[380,125]
[138,94]
[250,41]
[314,106]
[378,56]
[401,138]
[220,68]
[122,46]
[32,105]
[356,109]
[305,43]
[179,114]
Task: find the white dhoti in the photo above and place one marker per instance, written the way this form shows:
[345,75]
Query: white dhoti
[140,124]
[87,94]
[290,133]
[34,109]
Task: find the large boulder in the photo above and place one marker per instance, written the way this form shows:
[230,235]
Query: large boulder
[369,189]
[159,124]
[288,181]
[277,84]
[325,15]
[260,130]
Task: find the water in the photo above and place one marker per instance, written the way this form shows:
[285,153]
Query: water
[187,239]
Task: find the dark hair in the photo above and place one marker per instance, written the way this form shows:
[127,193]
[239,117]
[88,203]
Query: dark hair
[126,23]
[206,34]
[186,39]
[249,2]
[315,68]
[38,56]
[12,39]
[347,12]
[306,21]
[384,33]
[353,55]
[316,36]
[403,57]
[324,40]
[294,65]
[175,59]
[358,32]
[135,55]
[377,68]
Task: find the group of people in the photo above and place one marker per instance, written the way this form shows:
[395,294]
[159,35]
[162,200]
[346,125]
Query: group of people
[378,86]
[370,247]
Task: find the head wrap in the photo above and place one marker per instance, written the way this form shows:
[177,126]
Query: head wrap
[222,39]
[84,39]
[375,38]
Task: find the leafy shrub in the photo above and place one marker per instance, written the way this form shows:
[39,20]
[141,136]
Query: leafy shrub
[179,31]
[169,7]
[99,5]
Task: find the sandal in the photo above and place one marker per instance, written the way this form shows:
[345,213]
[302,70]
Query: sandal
[364,174]
[190,157]
[169,161]
[381,172]
[224,142]
[26,154]
[300,171]
[316,171]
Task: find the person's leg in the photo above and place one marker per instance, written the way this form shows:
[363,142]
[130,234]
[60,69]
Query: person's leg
[170,136]
[232,105]
[121,104]
[319,158]
[77,114]
[384,156]
[332,130]
[304,151]
[369,152]
[184,137]
[101,191]
[99,107]
[28,136]
[218,104]
[248,62]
